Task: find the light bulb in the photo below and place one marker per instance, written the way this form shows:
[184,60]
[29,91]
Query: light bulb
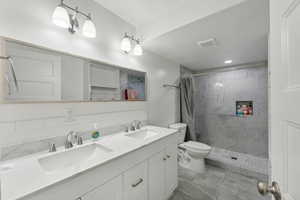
[228,62]
[89,29]
[61,17]
[126,44]
[138,50]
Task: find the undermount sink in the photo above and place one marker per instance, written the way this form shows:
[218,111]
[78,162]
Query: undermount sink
[73,157]
[143,134]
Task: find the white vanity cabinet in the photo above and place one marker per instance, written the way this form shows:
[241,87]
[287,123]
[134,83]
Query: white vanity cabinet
[163,173]
[147,173]
[109,191]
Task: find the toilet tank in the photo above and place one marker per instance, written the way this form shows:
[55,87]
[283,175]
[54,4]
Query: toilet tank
[181,127]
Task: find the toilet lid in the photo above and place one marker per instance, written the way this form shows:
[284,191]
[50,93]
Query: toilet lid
[178,126]
[197,145]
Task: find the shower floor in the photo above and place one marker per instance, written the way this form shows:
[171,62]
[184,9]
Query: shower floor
[216,184]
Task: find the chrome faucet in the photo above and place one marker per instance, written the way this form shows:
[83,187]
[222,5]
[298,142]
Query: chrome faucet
[69,140]
[132,126]
[72,138]
[135,125]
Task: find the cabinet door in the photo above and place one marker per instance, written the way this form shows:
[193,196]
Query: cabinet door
[171,168]
[135,183]
[156,166]
[109,191]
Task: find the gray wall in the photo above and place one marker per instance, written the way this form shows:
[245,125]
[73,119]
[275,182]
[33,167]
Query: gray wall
[216,94]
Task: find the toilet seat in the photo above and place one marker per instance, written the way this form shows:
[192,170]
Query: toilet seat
[196,146]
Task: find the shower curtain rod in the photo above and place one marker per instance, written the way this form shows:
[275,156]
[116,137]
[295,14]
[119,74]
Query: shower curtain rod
[237,67]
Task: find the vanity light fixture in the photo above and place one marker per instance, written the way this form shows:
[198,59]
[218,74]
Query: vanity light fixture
[138,50]
[89,28]
[127,42]
[63,19]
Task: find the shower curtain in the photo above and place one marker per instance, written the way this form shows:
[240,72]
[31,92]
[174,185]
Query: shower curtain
[187,106]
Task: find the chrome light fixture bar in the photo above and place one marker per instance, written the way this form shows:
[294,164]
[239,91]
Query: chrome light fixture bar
[63,19]
[126,45]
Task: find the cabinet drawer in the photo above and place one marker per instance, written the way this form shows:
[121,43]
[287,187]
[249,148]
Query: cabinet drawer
[135,183]
[109,191]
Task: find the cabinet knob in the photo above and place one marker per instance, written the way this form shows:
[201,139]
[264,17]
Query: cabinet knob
[164,158]
[168,156]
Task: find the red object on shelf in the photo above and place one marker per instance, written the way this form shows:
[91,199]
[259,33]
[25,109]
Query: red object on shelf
[132,94]
[126,94]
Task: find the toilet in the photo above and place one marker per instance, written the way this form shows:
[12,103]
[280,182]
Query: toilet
[191,154]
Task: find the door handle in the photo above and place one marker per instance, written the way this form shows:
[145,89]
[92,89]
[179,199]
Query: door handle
[137,183]
[264,189]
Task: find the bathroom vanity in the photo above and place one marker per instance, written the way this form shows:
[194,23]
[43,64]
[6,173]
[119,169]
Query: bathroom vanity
[138,165]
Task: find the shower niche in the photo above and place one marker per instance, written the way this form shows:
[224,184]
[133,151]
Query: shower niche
[244,108]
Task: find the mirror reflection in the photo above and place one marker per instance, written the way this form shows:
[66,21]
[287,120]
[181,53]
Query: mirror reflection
[37,75]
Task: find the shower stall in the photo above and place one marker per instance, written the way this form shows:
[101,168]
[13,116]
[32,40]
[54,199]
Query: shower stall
[231,115]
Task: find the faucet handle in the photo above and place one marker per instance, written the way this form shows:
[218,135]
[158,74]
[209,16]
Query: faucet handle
[52,148]
[127,128]
[132,126]
[70,135]
[79,140]
[69,140]
[138,125]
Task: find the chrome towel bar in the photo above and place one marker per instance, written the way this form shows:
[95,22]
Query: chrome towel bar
[11,70]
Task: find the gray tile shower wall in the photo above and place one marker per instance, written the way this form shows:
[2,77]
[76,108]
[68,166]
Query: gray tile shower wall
[216,94]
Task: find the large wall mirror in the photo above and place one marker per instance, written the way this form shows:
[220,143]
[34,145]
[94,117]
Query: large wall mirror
[34,74]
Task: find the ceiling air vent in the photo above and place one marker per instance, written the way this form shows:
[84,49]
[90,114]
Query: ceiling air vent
[212,42]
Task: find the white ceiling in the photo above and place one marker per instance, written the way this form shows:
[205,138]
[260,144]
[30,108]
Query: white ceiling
[156,17]
[172,29]
[241,33]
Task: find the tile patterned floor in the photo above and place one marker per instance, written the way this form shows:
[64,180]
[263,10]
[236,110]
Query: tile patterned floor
[216,184]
